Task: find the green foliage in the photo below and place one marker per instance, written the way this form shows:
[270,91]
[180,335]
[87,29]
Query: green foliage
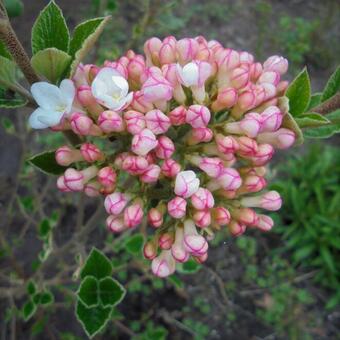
[50,30]
[14,8]
[189,267]
[97,265]
[88,291]
[46,163]
[311,212]
[28,310]
[134,244]
[332,86]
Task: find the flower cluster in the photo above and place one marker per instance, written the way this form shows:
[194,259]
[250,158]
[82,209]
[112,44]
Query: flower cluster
[189,128]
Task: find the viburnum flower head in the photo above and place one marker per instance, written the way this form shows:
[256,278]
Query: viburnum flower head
[176,140]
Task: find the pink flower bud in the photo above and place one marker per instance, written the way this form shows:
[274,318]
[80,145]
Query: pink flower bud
[65,155]
[271,119]
[271,77]
[198,116]
[155,217]
[245,216]
[250,125]
[170,168]
[177,116]
[157,122]
[61,184]
[115,224]
[226,98]
[151,49]
[236,229]
[227,59]
[194,243]
[157,88]
[247,147]
[263,155]
[229,179]
[186,50]
[239,78]
[143,142]
[177,207]
[151,174]
[186,183]
[202,218]
[276,63]
[135,68]
[92,189]
[166,240]
[75,180]
[110,121]
[246,58]
[226,144]
[164,264]
[201,259]
[135,122]
[211,166]
[221,216]
[86,99]
[107,177]
[200,135]
[139,103]
[81,124]
[115,203]
[265,223]
[246,100]
[165,147]
[119,67]
[178,251]
[167,53]
[150,250]
[255,71]
[133,215]
[271,200]
[135,165]
[91,153]
[252,183]
[194,73]
[202,199]
[281,139]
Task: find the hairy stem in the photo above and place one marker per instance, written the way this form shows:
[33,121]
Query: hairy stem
[329,105]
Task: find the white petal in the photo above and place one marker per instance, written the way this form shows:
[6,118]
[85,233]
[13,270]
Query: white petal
[190,74]
[34,121]
[47,96]
[52,118]
[122,84]
[68,92]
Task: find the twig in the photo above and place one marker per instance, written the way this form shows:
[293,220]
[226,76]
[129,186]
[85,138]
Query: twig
[329,105]
[124,328]
[172,321]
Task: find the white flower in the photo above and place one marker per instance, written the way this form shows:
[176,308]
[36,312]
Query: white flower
[53,103]
[194,73]
[111,89]
[186,183]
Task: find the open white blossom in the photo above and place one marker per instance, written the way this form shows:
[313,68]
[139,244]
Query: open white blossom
[54,102]
[111,89]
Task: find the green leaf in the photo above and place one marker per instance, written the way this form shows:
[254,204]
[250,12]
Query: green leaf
[299,93]
[8,71]
[50,30]
[51,63]
[3,51]
[44,228]
[311,119]
[84,37]
[88,291]
[11,100]
[315,100]
[31,287]
[92,319]
[334,116]
[46,298]
[46,163]
[97,265]
[327,258]
[134,244]
[322,132]
[332,86]
[36,298]
[111,292]
[188,267]
[28,310]
[14,8]
[176,281]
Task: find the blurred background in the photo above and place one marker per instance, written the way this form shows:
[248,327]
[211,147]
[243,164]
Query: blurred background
[279,285]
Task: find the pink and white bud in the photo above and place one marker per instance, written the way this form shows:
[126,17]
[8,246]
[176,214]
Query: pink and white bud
[151,174]
[177,249]
[246,101]
[202,218]
[271,119]
[87,100]
[255,71]
[226,144]
[75,180]
[115,224]
[107,177]
[226,98]
[239,77]
[245,216]
[201,259]
[135,165]
[143,142]
[187,50]
[263,155]
[81,124]
[170,168]
[221,216]
[198,116]
[151,49]
[186,183]
[236,228]
[177,116]
[200,135]
[135,68]
[92,189]
[265,223]
[177,207]
[150,250]
[166,240]
[229,179]
[246,58]
[276,63]
[115,203]
[155,217]
[61,184]
[91,153]
[247,146]
[167,53]
[271,77]
[65,155]
[169,72]
[165,147]
[281,88]
[139,103]
[212,166]
[157,122]
[250,125]
[110,121]
[135,122]
[281,139]
[133,215]
[252,183]
[194,73]
[164,264]
[193,242]
[202,199]
[227,60]
[271,200]
[119,159]
[157,88]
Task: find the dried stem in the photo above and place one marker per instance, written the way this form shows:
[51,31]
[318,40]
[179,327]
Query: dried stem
[329,105]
